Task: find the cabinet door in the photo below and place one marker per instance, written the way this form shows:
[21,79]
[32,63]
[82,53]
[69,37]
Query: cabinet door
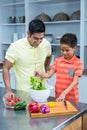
[12,79]
[83,89]
[84,121]
[75,125]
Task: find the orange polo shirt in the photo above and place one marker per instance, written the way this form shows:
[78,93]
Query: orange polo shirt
[65,71]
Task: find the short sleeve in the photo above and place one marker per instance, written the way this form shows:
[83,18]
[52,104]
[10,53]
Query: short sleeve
[79,69]
[11,54]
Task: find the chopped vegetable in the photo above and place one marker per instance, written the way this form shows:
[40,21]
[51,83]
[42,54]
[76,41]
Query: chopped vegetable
[21,105]
[44,108]
[12,101]
[36,83]
[52,104]
[33,107]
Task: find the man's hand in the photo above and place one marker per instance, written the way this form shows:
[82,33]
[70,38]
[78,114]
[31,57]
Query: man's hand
[9,94]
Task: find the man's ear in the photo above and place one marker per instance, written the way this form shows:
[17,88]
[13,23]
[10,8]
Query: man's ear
[28,33]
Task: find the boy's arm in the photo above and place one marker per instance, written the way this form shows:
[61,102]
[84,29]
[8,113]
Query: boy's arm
[45,75]
[70,87]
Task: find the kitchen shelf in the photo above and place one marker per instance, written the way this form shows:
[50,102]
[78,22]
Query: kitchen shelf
[51,1]
[58,44]
[5,43]
[63,22]
[55,44]
[12,4]
[13,24]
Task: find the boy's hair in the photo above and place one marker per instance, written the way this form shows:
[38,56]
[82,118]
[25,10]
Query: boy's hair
[36,26]
[69,39]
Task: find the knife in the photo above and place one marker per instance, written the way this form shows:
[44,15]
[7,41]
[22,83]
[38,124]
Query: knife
[65,104]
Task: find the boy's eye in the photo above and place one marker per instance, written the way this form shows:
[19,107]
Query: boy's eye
[65,50]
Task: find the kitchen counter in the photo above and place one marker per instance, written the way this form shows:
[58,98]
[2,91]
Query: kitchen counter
[20,120]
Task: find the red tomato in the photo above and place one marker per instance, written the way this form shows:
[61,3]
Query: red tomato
[10,104]
[9,99]
[19,99]
[33,107]
[12,101]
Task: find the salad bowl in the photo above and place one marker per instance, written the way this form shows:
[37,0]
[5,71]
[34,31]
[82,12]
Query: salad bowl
[38,91]
[40,95]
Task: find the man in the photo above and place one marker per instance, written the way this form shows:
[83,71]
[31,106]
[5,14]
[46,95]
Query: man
[27,55]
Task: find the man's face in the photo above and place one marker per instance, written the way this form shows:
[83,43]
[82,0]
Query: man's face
[35,39]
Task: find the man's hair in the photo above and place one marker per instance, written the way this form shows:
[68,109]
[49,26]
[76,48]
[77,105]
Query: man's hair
[69,39]
[36,26]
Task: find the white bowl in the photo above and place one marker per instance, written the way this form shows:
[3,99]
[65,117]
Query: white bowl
[40,95]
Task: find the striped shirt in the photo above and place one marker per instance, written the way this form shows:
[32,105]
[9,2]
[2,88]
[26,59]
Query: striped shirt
[65,71]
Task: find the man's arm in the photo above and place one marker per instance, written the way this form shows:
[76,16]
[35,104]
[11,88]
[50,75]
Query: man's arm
[6,77]
[47,62]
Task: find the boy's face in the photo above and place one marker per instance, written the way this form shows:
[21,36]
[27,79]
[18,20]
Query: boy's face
[35,39]
[67,51]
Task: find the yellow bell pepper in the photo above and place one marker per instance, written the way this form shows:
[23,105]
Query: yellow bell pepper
[52,104]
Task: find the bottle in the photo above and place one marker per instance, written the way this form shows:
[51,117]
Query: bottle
[15,37]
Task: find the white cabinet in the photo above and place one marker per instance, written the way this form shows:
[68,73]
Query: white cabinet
[83,89]
[30,9]
[10,11]
[12,78]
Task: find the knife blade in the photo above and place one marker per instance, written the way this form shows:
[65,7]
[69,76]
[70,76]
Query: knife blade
[65,104]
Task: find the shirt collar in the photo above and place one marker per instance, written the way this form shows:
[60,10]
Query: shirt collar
[68,61]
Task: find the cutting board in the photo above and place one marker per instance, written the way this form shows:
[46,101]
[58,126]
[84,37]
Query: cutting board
[56,111]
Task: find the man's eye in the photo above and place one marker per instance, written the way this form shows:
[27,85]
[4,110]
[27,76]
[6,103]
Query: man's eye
[38,38]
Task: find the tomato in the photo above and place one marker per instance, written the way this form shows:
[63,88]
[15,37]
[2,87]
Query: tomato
[33,107]
[9,99]
[19,99]
[12,101]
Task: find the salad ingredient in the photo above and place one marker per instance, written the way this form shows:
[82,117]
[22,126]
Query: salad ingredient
[20,105]
[52,104]
[36,83]
[33,107]
[12,101]
[44,108]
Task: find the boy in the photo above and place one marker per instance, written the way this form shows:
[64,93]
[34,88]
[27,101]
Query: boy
[68,69]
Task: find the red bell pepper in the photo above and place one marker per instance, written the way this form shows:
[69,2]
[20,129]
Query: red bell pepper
[33,107]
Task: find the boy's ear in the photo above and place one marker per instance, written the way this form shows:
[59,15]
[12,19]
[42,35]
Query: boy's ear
[75,48]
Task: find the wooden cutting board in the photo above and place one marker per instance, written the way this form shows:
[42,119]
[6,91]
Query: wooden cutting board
[56,111]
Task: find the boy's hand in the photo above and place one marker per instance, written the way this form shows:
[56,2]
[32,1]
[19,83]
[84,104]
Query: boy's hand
[36,74]
[61,97]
